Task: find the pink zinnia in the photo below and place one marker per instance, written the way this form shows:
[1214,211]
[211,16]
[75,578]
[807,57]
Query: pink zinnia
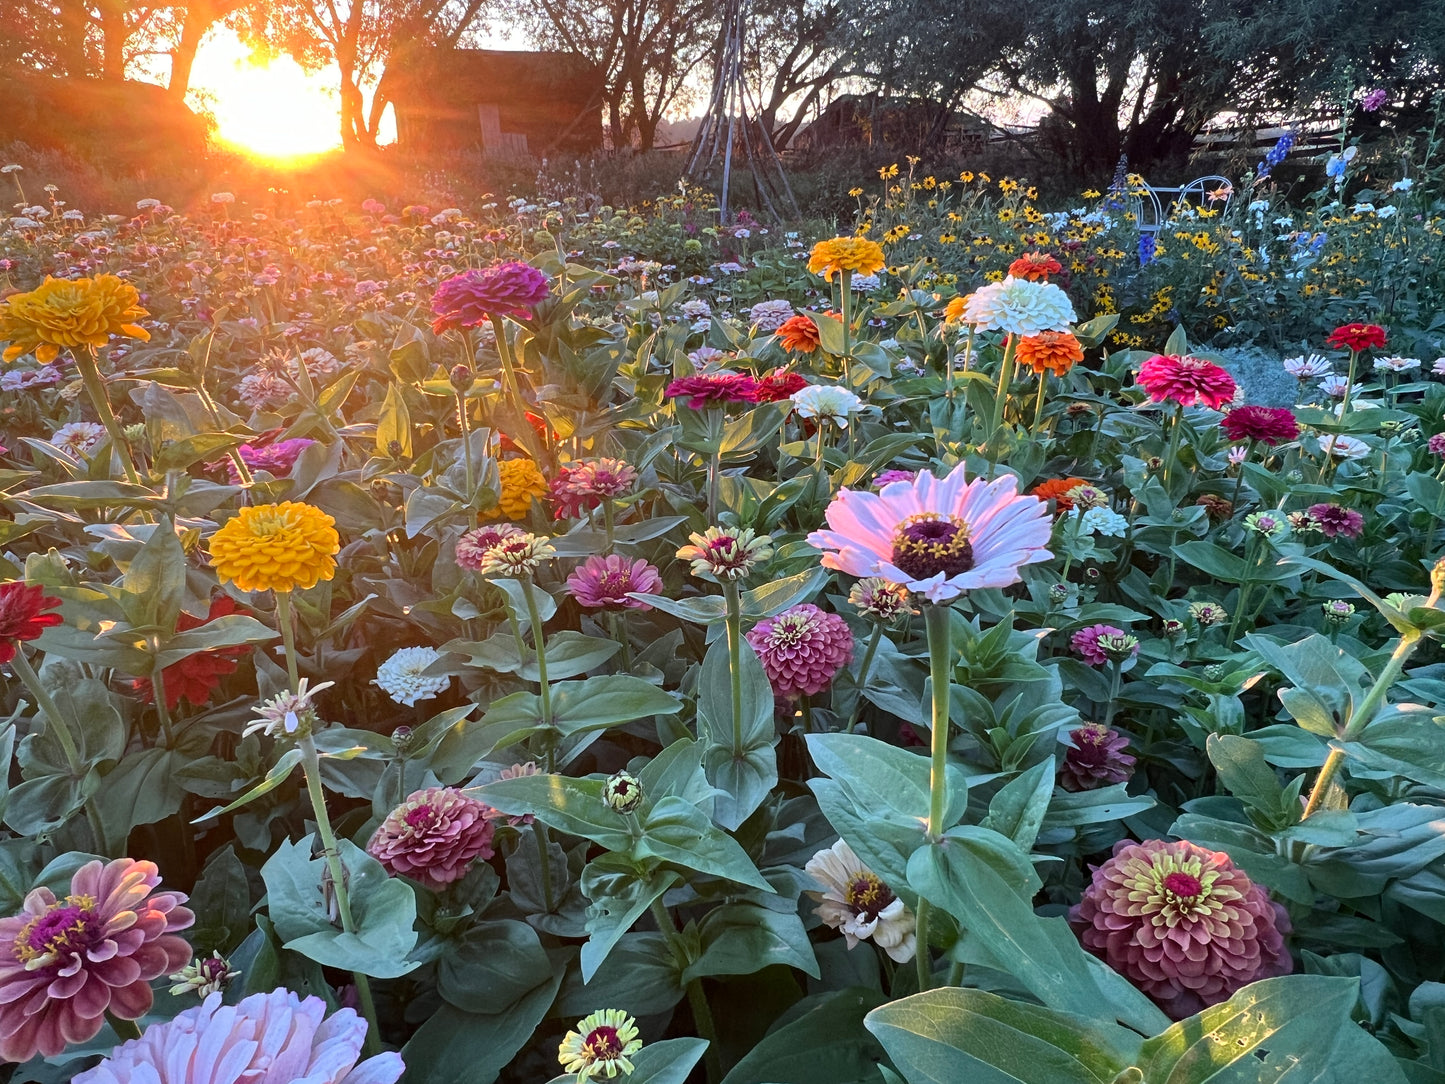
[1268,425]
[275,459]
[888,477]
[802,649]
[1086,642]
[937,537]
[1181,923]
[1096,759]
[434,836]
[1436,444]
[604,582]
[512,288]
[1336,520]
[1186,381]
[272,1036]
[65,963]
[1373,100]
[714,389]
[581,487]
[473,547]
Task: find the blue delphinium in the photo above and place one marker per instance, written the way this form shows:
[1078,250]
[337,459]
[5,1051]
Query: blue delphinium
[1146,248]
[1277,154]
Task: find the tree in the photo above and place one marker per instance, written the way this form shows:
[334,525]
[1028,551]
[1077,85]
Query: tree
[794,58]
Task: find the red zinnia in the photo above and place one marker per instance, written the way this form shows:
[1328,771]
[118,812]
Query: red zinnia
[714,389]
[778,386]
[196,676]
[22,615]
[798,334]
[1186,381]
[1357,337]
[1269,425]
[1035,266]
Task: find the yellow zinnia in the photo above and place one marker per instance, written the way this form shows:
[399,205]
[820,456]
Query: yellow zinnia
[276,547]
[856,254]
[521,482]
[70,313]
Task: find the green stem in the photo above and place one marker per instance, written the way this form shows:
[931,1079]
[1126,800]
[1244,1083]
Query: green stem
[1331,463]
[1005,378]
[938,620]
[539,834]
[471,478]
[1039,404]
[288,637]
[696,998]
[540,647]
[158,686]
[868,653]
[124,1029]
[100,399]
[1111,706]
[1173,443]
[1251,562]
[845,278]
[509,368]
[735,658]
[714,469]
[609,525]
[1238,482]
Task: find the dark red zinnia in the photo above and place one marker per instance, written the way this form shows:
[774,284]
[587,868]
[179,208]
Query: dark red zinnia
[196,676]
[1268,425]
[23,616]
[1334,520]
[1096,759]
[778,386]
[1357,337]
[714,389]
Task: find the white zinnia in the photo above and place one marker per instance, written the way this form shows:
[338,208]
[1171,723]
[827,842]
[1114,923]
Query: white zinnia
[1019,307]
[401,677]
[1397,365]
[1343,447]
[1104,521]
[79,438]
[770,315]
[855,900]
[1306,368]
[826,401]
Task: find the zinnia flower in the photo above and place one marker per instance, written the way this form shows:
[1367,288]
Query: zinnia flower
[65,964]
[473,546]
[434,837]
[69,313]
[1181,923]
[799,335]
[936,536]
[581,487]
[275,459]
[1019,307]
[1307,368]
[1186,381]
[288,715]
[1035,267]
[1269,425]
[775,387]
[23,616]
[713,389]
[1337,521]
[953,311]
[876,598]
[196,677]
[726,553]
[1436,444]
[276,547]
[888,477]
[1057,490]
[770,315]
[512,289]
[802,649]
[858,255]
[264,1039]
[1357,337]
[80,439]
[857,902]
[826,401]
[1050,351]
[521,483]
[1087,642]
[1216,507]
[1096,759]
[403,677]
[600,1045]
[605,582]
[517,556]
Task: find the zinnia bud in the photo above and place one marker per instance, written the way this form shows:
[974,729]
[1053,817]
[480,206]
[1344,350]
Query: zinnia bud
[622,792]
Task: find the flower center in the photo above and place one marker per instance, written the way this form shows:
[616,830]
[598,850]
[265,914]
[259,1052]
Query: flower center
[789,631]
[420,816]
[867,895]
[603,1044]
[615,584]
[929,544]
[64,929]
[268,523]
[1182,885]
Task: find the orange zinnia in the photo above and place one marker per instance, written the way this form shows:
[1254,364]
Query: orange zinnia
[1035,266]
[953,311]
[1055,351]
[798,335]
[1057,491]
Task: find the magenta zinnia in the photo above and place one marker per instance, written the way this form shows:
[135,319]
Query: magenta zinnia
[1186,381]
[275,1036]
[714,389]
[581,487]
[513,289]
[936,536]
[605,582]
[802,649]
[66,963]
[1337,521]
[1086,642]
[1096,759]
[1181,923]
[275,459]
[434,836]
[1268,425]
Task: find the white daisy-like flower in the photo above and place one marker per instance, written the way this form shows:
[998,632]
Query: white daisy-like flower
[287,715]
[1019,307]
[1346,447]
[696,309]
[147,204]
[826,401]
[1397,365]
[1334,386]
[78,438]
[222,197]
[770,315]
[1307,368]
[857,902]
[1402,185]
[403,679]
[1104,521]
[866,284]
[1438,367]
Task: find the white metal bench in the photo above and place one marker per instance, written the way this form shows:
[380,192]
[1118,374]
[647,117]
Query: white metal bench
[1157,205]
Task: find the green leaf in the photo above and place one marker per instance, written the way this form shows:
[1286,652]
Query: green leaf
[751,431]
[456,1047]
[493,966]
[221,901]
[951,1035]
[773,598]
[1018,810]
[678,832]
[394,423]
[579,706]
[823,1042]
[1407,743]
[1242,768]
[618,899]
[570,805]
[278,774]
[741,938]
[154,584]
[745,773]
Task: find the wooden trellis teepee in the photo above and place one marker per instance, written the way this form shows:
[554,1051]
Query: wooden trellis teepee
[731,124]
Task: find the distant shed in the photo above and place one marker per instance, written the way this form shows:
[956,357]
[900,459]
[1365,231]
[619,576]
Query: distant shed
[506,103]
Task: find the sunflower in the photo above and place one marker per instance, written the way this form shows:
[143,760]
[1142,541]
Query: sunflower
[69,313]
[856,254]
[276,547]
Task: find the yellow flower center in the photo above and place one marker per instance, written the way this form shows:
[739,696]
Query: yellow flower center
[867,895]
[65,928]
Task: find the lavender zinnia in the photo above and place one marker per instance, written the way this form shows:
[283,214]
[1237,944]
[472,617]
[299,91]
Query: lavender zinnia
[1096,759]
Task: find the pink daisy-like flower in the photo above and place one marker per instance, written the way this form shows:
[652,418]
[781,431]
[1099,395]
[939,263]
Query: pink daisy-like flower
[713,389]
[1337,521]
[888,477]
[802,649]
[473,547]
[265,1038]
[275,459]
[605,582]
[512,288]
[1086,642]
[65,963]
[1096,759]
[434,836]
[1436,444]
[1181,923]
[1186,381]
[581,487]
[936,536]
[1268,425]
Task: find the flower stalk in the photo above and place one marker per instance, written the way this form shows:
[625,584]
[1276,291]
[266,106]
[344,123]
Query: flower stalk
[734,622]
[100,399]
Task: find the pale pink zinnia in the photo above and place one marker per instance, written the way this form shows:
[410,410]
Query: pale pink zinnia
[265,1038]
[65,964]
[802,649]
[473,547]
[1181,923]
[604,582]
[434,836]
[581,487]
[936,536]
[1186,381]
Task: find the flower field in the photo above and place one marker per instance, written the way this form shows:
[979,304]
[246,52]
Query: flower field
[552,642]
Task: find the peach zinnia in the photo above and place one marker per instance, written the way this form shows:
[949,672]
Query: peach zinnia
[1050,351]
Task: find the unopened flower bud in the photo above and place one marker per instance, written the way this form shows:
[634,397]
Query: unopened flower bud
[1119,647]
[1058,593]
[1092,573]
[462,378]
[1338,611]
[622,792]
[203,977]
[134,434]
[1214,672]
[1173,628]
[401,738]
[394,449]
[1295,477]
[1154,464]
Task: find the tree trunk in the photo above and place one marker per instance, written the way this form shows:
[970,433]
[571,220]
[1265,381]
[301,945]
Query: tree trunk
[112,40]
[197,21]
